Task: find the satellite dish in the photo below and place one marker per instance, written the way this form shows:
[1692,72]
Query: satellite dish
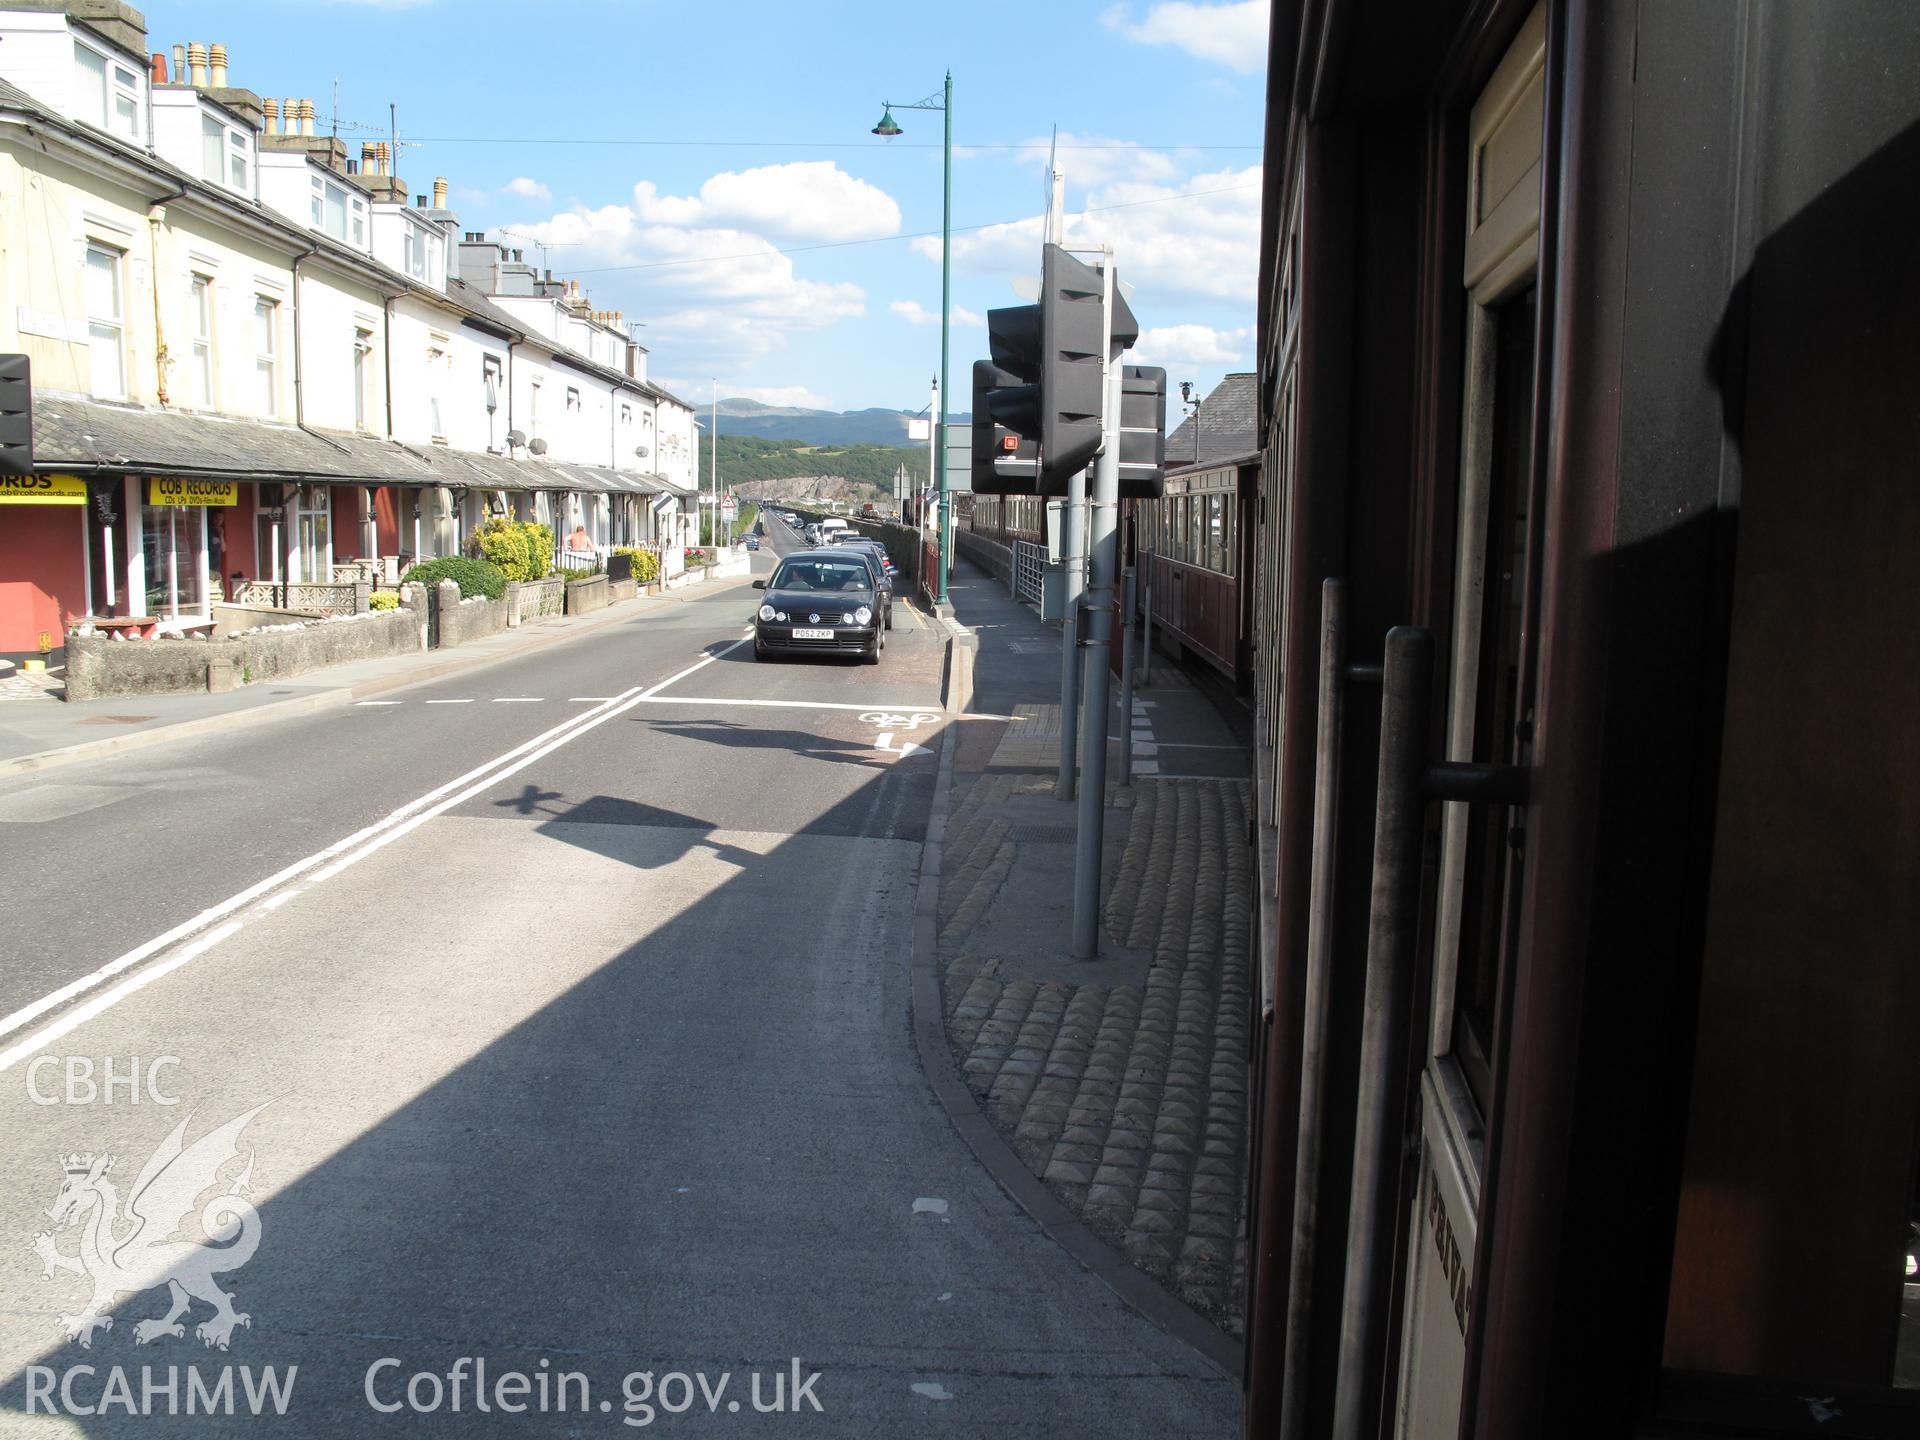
[539,447]
[1027,287]
[1126,289]
[641,451]
[516,437]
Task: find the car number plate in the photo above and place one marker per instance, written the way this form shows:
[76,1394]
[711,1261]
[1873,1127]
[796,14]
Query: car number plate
[804,634]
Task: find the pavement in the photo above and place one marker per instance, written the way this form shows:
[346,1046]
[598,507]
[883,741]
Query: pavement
[1120,1082]
[539,1031]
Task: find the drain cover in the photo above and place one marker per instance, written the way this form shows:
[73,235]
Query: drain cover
[1043,834]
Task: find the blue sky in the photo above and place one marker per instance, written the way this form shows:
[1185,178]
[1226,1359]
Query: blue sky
[742,132]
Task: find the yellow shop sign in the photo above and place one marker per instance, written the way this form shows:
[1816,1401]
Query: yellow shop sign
[193,492]
[42,490]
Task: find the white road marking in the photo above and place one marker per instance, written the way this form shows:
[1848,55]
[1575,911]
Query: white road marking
[653,699]
[587,699]
[49,1033]
[379,702]
[517,700]
[884,741]
[449,702]
[213,913]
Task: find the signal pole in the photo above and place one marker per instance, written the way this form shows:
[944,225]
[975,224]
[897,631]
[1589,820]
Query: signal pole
[1102,548]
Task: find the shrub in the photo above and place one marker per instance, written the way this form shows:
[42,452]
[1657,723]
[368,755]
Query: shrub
[574,577]
[384,600]
[474,577]
[539,548]
[646,565]
[504,543]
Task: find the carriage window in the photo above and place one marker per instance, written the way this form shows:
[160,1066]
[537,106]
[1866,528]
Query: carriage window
[1492,877]
[1229,513]
[1216,534]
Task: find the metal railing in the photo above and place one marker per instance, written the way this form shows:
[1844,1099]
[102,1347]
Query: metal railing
[578,560]
[1029,568]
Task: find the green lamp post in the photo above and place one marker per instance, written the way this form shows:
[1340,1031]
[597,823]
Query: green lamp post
[887,129]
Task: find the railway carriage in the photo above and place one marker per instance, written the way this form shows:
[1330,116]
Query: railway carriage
[1583,573]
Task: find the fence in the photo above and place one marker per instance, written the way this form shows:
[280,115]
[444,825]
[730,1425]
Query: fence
[1029,568]
[540,597]
[315,599]
[578,560]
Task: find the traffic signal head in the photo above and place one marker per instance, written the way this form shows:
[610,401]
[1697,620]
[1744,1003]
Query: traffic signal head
[1143,440]
[1004,462]
[16,415]
[1059,348]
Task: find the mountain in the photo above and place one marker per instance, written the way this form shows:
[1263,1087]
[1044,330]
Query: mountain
[872,426]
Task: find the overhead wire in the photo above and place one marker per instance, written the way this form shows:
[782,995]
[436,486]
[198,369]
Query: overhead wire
[883,239]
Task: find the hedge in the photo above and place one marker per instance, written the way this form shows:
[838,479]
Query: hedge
[474,577]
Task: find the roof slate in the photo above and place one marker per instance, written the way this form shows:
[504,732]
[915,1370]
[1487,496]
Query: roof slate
[1228,426]
[85,434]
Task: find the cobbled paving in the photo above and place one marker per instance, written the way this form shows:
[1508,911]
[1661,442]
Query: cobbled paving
[1129,1102]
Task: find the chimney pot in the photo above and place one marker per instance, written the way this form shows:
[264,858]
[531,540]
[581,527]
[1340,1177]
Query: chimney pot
[159,67]
[180,64]
[385,157]
[306,117]
[197,61]
[439,192]
[217,64]
[273,117]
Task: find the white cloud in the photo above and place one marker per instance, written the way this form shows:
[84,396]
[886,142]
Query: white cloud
[914,313]
[1232,34]
[527,189]
[797,397]
[744,302]
[802,200]
[1190,345]
[1196,238]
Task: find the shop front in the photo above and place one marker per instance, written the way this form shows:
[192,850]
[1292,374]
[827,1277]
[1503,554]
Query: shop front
[43,570]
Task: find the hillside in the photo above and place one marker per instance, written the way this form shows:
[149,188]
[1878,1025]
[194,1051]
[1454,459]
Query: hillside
[760,468]
[871,426]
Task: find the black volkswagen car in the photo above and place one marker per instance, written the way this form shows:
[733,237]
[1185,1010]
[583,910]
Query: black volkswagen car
[821,602]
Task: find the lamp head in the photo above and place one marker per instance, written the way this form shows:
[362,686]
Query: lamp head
[887,126]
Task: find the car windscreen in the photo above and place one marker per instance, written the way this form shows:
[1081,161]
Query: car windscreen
[821,576]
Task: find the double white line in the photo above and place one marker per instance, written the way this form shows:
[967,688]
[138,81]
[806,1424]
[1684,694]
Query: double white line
[322,865]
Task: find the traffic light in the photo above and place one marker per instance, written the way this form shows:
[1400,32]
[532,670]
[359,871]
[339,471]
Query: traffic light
[16,415]
[1143,440]
[1056,348]
[1004,463]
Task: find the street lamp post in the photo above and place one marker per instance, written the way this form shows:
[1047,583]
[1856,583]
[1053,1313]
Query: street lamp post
[887,128]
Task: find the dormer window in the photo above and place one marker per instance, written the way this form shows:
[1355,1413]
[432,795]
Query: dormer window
[105,93]
[339,214]
[422,255]
[224,157]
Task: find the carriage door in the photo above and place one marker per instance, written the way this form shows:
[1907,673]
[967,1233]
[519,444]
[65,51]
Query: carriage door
[1488,689]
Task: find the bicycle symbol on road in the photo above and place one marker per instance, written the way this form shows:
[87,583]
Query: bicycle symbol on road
[899,720]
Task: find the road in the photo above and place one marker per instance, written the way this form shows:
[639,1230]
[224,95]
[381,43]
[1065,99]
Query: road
[565,1005]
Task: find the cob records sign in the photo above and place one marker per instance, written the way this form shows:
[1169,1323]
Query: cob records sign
[192,492]
[42,490]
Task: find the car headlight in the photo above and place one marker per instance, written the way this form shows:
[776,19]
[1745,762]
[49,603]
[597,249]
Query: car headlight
[767,612]
[780,615]
[862,616]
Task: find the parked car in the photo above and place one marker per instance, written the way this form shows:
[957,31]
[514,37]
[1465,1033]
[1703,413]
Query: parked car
[882,581]
[753,542]
[821,602]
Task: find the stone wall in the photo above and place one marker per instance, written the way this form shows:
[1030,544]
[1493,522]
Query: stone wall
[98,667]
[988,554]
[585,595]
[461,622]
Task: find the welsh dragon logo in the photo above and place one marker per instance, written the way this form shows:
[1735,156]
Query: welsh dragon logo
[135,1244]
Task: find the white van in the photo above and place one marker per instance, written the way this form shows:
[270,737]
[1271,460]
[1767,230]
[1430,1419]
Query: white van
[831,529]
